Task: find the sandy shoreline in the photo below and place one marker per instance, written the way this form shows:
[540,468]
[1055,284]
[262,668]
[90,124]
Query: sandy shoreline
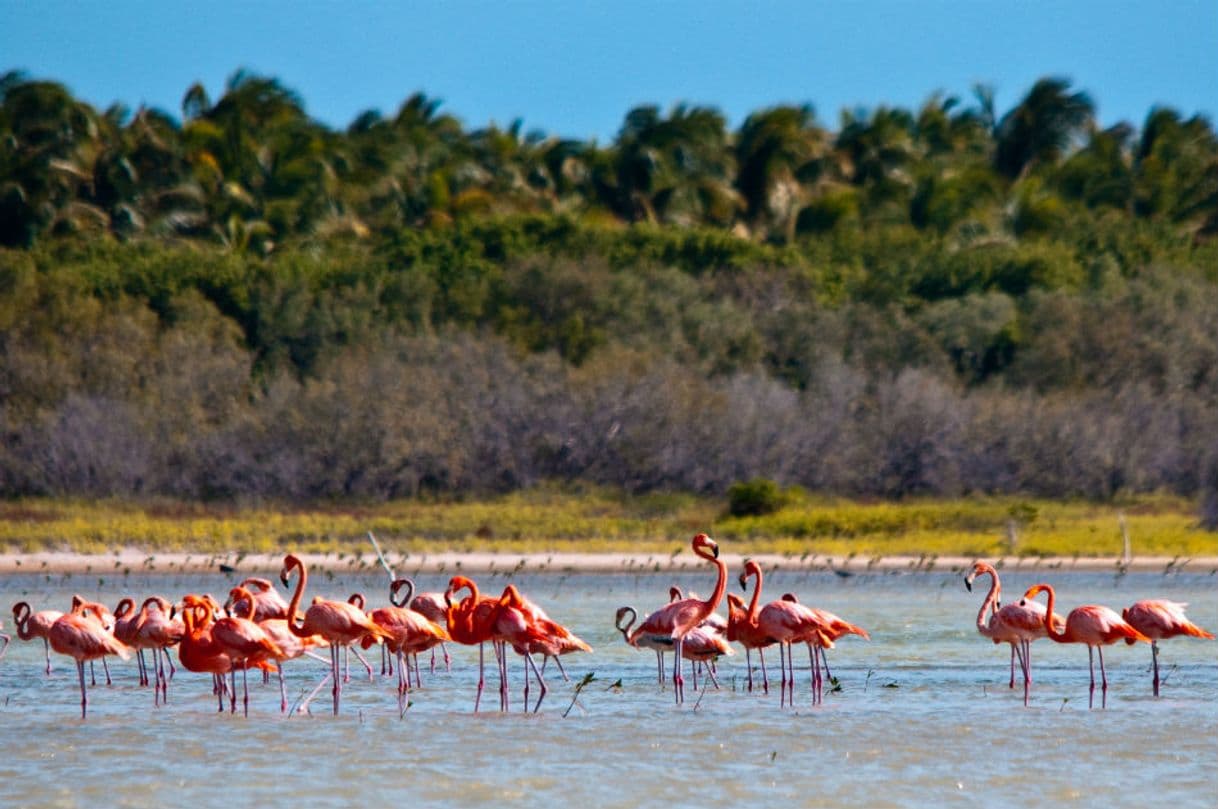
[137,561]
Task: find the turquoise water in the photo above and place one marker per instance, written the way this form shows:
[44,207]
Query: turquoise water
[923,716]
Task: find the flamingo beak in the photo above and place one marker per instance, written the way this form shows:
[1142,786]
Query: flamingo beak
[968,584]
[715,551]
[744,582]
[283,577]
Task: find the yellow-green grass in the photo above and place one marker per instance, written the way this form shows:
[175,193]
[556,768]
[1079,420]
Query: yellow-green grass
[548,519]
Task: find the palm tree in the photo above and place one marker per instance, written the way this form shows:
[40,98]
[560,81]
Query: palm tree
[1042,127]
[779,152]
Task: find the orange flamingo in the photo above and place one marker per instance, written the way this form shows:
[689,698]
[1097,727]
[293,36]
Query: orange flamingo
[125,617]
[678,618]
[154,629]
[470,621]
[1017,624]
[1159,620]
[702,647]
[1096,626]
[106,618]
[197,650]
[340,623]
[81,635]
[32,625]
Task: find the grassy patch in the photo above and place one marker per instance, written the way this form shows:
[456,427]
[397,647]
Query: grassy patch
[552,520]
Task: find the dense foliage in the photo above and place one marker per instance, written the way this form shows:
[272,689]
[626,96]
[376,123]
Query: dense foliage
[245,303]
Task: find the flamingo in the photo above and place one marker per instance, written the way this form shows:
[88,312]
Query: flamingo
[197,650]
[657,642]
[533,632]
[241,599]
[102,614]
[1095,625]
[340,623]
[32,625]
[125,618]
[678,618]
[265,599]
[470,621]
[81,635]
[1160,620]
[743,629]
[410,633]
[154,629]
[1017,624]
[431,606]
[787,621]
[246,644]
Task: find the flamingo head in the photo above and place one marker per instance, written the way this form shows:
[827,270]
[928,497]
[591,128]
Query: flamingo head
[1035,590]
[703,541]
[674,593]
[622,612]
[397,585]
[455,584]
[289,562]
[794,599]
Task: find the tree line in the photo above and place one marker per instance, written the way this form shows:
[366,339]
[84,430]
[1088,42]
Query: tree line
[242,302]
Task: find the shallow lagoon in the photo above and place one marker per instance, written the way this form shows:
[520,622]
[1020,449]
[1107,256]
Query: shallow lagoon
[923,715]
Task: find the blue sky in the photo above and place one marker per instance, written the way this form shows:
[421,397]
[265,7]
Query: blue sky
[575,68]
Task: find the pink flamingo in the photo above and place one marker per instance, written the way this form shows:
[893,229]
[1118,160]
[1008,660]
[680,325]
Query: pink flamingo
[657,642]
[267,602]
[32,625]
[545,636]
[1096,626]
[155,629]
[410,633]
[340,623]
[743,629]
[472,620]
[431,606]
[1160,620]
[678,618]
[82,636]
[103,615]
[1017,624]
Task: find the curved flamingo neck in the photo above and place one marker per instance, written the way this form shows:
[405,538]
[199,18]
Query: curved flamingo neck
[1050,630]
[755,572]
[720,585]
[398,585]
[294,604]
[241,594]
[21,617]
[625,630]
[990,598]
[124,607]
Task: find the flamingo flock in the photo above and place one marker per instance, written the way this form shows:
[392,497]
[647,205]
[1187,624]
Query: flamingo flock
[256,628]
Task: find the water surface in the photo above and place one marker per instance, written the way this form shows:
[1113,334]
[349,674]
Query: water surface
[923,715]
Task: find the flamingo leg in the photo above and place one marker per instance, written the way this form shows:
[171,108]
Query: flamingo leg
[283,690]
[1011,684]
[1103,679]
[84,694]
[814,673]
[765,678]
[337,656]
[541,682]
[678,682]
[245,689]
[433,660]
[361,659]
[92,674]
[448,661]
[660,666]
[46,645]
[143,668]
[1026,662]
[1091,665]
[710,672]
[168,659]
[418,675]
[481,680]
[1154,657]
[748,664]
[304,706]
[106,669]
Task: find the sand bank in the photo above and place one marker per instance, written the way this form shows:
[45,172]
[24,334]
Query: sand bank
[137,561]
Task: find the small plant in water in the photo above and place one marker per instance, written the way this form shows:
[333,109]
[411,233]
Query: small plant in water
[589,678]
